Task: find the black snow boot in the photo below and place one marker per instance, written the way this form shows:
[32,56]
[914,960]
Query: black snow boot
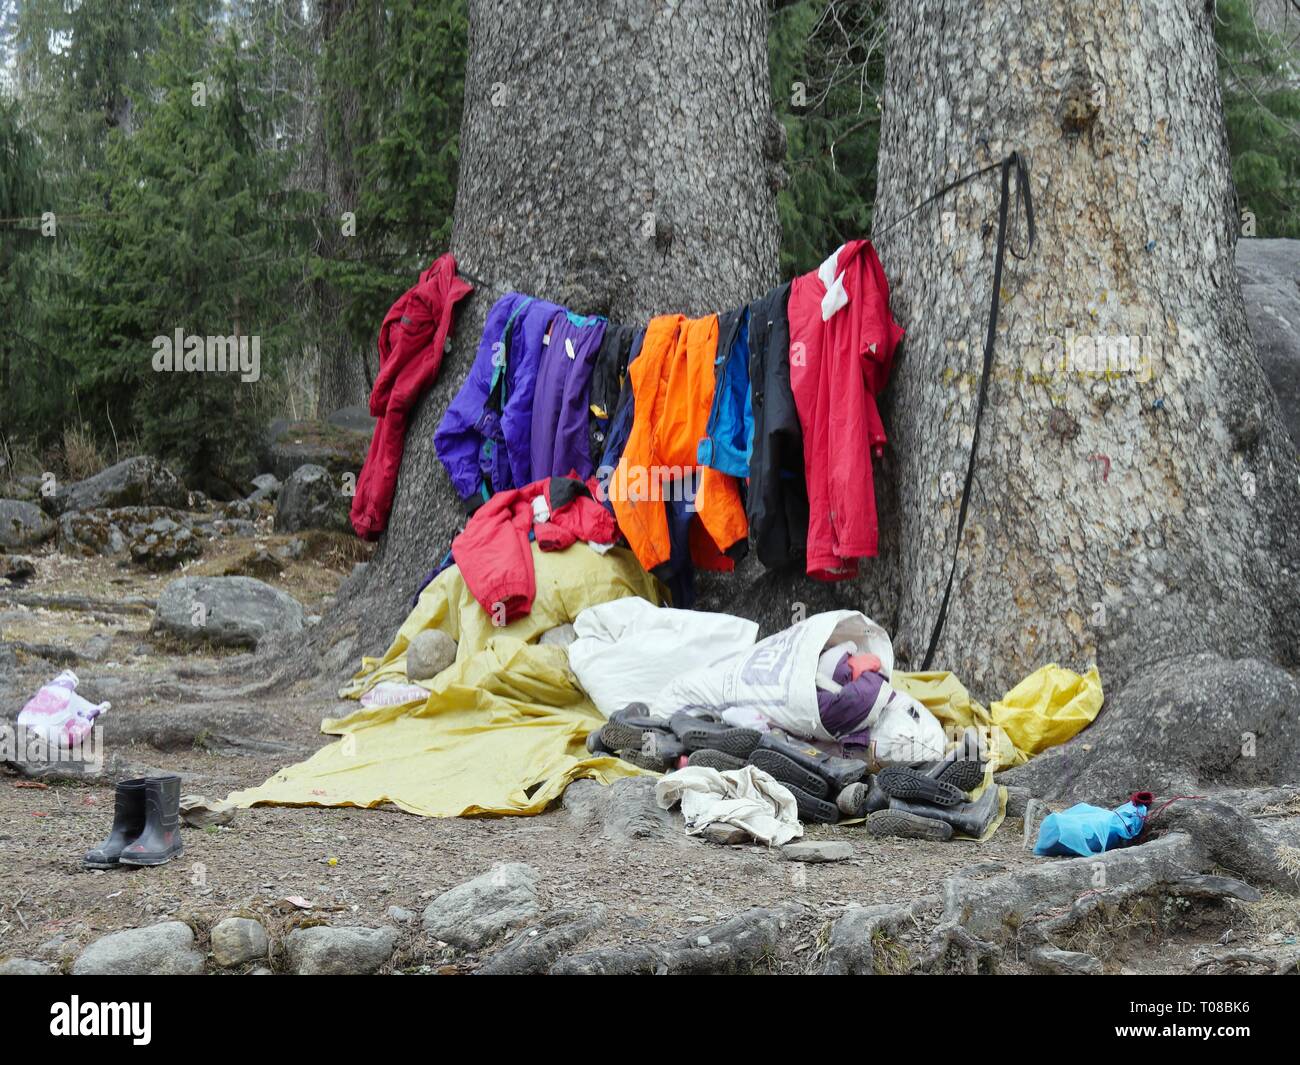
[702,733]
[967,819]
[816,772]
[596,745]
[813,810]
[128,823]
[914,785]
[643,761]
[161,839]
[718,760]
[625,727]
[904,825]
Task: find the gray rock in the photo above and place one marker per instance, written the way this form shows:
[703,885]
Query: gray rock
[476,912]
[23,525]
[238,940]
[312,498]
[1270,286]
[1063,962]
[26,967]
[265,486]
[810,850]
[16,569]
[162,950]
[141,481]
[1176,728]
[327,951]
[356,418]
[429,654]
[292,444]
[226,611]
[158,538]
[725,835]
[400,915]
[561,635]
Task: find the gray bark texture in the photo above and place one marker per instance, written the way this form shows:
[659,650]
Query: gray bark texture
[615,158]
[1122,516]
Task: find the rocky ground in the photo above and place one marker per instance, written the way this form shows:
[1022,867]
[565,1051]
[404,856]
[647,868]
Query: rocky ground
[603,883]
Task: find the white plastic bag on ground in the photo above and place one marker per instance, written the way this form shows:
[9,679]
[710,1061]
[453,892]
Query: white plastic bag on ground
[629,650]
[58,714]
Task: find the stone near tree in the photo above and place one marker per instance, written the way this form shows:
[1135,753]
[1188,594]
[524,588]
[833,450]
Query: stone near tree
[16,569]
[355,418]
[226,611]
[157,538]
[163,545]
[237,941]
[265,486]
[478,911]
[23,525]
[1178,727]
[311,498]
[26,967]
[1270,285]
[318,443]
[159,950]
[141,481]
[345,951]
[429,654]
[811,850]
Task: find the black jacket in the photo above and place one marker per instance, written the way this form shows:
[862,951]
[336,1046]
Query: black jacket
[778,496]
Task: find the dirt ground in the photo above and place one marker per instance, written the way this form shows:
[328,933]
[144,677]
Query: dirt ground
[352,865]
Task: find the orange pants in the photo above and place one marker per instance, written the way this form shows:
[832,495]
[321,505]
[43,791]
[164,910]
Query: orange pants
[672,384]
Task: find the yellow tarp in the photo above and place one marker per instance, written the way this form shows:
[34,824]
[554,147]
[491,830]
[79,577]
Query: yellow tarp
[504,728]
[1043,710]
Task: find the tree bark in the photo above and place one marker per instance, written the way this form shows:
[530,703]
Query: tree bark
[1123,516]
[613,160]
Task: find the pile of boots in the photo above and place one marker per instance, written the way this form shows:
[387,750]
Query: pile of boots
[928,801]
[146,824]
[813,777]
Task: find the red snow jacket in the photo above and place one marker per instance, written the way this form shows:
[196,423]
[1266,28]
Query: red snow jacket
[411,342]
[493,552]
[842,341]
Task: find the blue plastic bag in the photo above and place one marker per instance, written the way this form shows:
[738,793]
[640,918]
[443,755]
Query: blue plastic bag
[1084,829]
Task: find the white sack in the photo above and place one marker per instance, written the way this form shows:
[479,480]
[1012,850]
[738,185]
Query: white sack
[629,650]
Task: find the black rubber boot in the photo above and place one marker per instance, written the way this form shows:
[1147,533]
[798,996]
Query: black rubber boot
[813,810]
[806,767]
[904,825]
[913,785]
[718,760]
[856,800]
[967,819]
[701,733]
[596,745]
[662,745]
[161,839]
[963,768]
[128,823]
[625,727]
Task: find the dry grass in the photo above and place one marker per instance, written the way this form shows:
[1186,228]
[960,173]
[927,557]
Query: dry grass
[82,457]
[1275,912]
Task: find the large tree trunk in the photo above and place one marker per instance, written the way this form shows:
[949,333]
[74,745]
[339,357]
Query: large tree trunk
[615,157]
[1126,516]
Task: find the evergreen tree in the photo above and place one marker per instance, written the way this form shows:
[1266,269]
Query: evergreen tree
[191,242]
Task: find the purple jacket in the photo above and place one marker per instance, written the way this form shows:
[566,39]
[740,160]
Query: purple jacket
[560,436]
[459,438]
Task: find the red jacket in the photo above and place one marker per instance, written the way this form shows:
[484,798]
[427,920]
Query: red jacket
[842,341]
[493,552]
[411,342]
